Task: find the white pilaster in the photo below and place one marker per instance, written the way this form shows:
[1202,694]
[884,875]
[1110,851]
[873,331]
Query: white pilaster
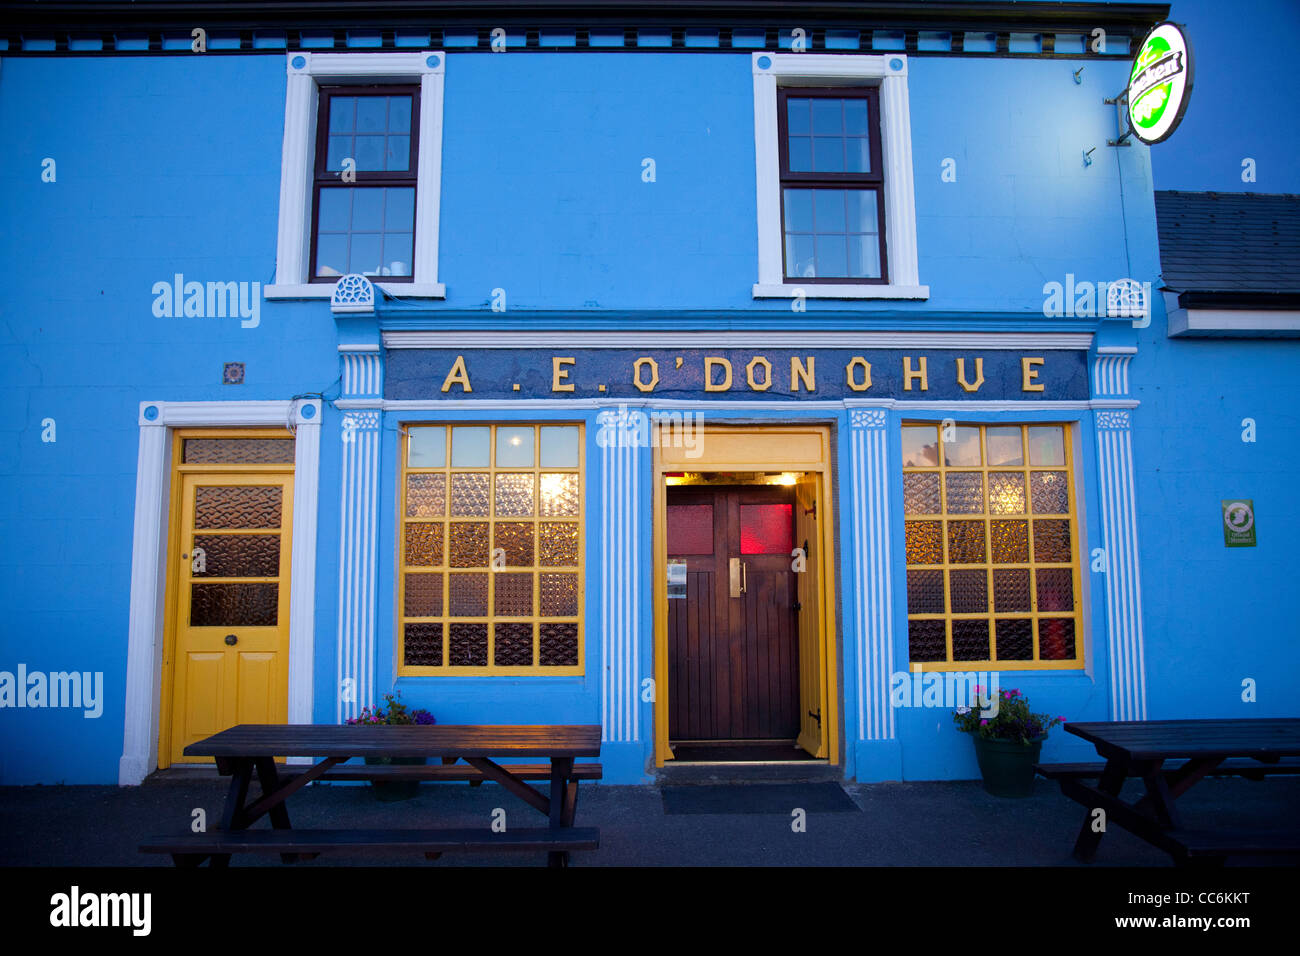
[873,602]
[620,595]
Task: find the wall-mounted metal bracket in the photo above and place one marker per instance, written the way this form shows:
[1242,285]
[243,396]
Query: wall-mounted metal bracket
[1120,102]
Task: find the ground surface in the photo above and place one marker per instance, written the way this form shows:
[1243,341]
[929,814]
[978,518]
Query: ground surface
[898,824]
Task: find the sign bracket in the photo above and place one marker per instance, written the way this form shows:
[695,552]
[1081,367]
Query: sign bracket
[1120,102]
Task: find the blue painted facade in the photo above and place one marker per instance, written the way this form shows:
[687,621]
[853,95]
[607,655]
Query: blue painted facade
[171,165]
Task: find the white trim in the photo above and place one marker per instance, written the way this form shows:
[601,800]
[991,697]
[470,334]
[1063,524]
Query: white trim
[149,548]
[521,339]
[323,290]
[1192,321]
[796,69]
[297,156]
[794,407]
[827,290]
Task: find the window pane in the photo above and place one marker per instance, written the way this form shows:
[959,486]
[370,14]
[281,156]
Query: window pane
[797,116]
[798,210]
[365,254]
[515,447]
[857,150]
[342,113]
[397,254]
[832,256]
[828,210]
[399,153]
[426,447]
[559,446]
[332,256]
[372,113]
[399,209]
[399,114]
[1046,445]
[828,154]
[964,450]
[1004,445]
[827,116]
[469,446]
[690,529]
[861,206]
[367,209]
[921,493]
[368,151]
[799,258]
[864,257]
[855,117]
[800,154]
[335,210]
[340,148]
[766,529]
[559,495]
[920,446]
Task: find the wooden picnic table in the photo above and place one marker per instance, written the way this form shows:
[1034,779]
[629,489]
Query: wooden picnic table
[1251,748]
[249,749]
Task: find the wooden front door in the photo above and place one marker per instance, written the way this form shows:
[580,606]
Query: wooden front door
[231,583]
[733,653]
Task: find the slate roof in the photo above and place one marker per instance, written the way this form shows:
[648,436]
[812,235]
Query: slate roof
[1229,242]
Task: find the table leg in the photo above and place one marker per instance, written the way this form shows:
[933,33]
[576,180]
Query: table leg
[561,770]
[1112,781]
[233,816]
[269,778]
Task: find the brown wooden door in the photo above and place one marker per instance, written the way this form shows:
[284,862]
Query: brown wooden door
[733,658]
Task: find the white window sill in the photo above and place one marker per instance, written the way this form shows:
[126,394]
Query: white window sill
[819,290]
[323,290]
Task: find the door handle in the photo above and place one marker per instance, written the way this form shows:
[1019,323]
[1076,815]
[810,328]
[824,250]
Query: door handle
[739,574]
[232,640]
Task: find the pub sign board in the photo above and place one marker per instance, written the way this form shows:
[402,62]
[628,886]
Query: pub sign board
[1160,85]
[736,374]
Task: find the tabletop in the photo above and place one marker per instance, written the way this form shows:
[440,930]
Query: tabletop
[1171,739]
[387,740]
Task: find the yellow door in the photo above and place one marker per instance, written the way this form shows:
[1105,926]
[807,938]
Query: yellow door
[812,672]
[231,568]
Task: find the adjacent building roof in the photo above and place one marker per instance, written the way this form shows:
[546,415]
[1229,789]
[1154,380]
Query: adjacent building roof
[1229,249]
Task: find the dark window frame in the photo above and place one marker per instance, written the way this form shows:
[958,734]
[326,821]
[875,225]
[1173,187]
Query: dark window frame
[323,177]
[874,180]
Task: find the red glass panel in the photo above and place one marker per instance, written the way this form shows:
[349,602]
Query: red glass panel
[690,529]
[766,529]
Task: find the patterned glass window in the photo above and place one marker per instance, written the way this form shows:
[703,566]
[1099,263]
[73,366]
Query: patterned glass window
[992,548]
[491,549]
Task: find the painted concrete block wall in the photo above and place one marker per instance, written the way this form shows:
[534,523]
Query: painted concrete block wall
[169,166]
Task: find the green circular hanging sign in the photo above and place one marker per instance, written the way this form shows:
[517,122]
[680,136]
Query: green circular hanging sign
[1160,84]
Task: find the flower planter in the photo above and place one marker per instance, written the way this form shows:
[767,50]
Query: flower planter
[392,790]
[1007,766]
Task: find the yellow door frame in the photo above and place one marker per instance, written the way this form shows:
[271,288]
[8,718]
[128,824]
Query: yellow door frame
[175,518]
[748,448]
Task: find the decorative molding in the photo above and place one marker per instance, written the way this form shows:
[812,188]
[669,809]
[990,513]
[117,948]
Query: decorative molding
[305,72]
[873,595]
[353,293]
[1123,584]
[358,563]
[1113,419]
[362,374]
[889,72]
[575,339]
[871,418]
[621,579]
[1110,373]
[793,406]
[148,560]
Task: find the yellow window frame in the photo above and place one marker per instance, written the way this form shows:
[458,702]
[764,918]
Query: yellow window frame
[1078,662]
[445,569]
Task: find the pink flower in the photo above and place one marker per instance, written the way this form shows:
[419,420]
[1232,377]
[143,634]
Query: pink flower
[984,723]
[978,688]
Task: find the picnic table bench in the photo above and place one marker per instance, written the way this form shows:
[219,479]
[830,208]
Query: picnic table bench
[249,749]
[1250,748]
